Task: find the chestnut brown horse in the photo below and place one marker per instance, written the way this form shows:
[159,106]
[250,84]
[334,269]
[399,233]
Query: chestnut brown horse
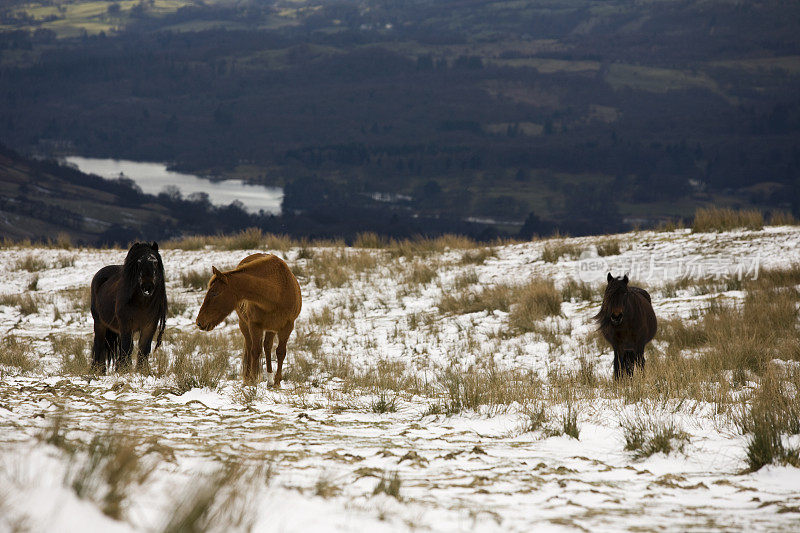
[127,299]
[266,296]
[628,323]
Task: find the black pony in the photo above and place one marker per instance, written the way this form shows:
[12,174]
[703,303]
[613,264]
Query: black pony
[628,323]
[127,299]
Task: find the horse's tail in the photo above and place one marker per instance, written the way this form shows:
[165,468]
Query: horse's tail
[162,316]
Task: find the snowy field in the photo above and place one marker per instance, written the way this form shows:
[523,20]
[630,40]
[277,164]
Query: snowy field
[409,402]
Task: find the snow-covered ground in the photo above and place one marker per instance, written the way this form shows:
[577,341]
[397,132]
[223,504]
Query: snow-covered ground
[316,452]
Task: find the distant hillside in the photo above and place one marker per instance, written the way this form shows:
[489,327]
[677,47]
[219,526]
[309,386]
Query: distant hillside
[40,199]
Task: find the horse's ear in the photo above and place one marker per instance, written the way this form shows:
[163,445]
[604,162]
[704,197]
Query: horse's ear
[154,246]
[610,278]
[215,271]
[625,279]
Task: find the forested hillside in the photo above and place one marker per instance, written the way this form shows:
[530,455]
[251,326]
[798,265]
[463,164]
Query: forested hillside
[595,116]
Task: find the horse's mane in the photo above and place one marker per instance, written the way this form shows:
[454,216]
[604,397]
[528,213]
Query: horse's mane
[603,316]
[158,302]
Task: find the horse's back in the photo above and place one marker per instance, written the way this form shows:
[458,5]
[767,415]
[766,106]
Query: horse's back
[648,315]
[99,282]
[280,287]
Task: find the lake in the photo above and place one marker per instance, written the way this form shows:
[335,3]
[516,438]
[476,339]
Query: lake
[153,177]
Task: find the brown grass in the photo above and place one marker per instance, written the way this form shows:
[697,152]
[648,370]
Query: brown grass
[74,352]
[31,263]
[248,239]
[534,301]
[28,304]
[725,219]
[782,218]
[195,279]
[607,247]
[335,268]
[555,250]
[17,353]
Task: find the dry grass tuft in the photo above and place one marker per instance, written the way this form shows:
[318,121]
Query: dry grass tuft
[420,273]
[499,297]
[555,250]
[30,263]
[28,304]
[606,247]
[112,465]
[222,501]
[773,410]
[389,485]
[74,352]
[782,218]
[195,279]
[645,436]
[534,301]
[17,353]
[371,240]
[335,268]
[725,219]
[200,360]
[248,239]
[472,388]
[579,291]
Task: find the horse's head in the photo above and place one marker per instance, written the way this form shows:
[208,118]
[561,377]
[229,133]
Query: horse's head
[615,297]
[218,303]
[145,269]
[149,271]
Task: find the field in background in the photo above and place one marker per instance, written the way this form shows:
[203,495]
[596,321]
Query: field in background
[436,384]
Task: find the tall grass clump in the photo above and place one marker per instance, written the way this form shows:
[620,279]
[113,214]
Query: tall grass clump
[708,219]
[499,297]
[27,303]
[74,353]
[773,411]
[31,263]
[335,268]
[645,436]
[222,501]
[578,290]
[782,218]
[534,301]
[195,279]
[472,388]
[555,250]
[199,361]
[17,353]
[748,337]
[370,239]
[607,247]
[106,471]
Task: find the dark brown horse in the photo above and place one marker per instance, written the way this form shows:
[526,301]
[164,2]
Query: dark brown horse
[127,299]
[628,323]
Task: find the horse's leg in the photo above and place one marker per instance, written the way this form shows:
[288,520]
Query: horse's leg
[640,357]
[145,342]
[629,360]
[268,338]
[243,327]
[257,340]
[280,351]
[99,348]
[125,350]
[617,369]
